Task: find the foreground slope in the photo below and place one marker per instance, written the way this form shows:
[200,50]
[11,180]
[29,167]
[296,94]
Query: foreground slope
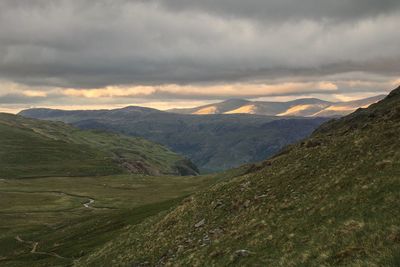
[32,148]
[306,107]
[329,200]
[203,139]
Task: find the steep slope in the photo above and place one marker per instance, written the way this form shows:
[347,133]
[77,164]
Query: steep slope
[212,142]
[344,108]
[218,108]
[305,107]
[304,110]
[327,201]
[31,148]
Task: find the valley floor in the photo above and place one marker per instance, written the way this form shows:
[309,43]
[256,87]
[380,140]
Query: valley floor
[54,221]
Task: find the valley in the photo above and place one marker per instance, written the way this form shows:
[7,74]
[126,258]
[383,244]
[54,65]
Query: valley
[171,133]
[329,199]
[55,220]
[204,139]
[250,130]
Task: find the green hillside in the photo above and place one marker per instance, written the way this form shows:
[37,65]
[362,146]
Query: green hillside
[331,200]
[33,148]
[204,139]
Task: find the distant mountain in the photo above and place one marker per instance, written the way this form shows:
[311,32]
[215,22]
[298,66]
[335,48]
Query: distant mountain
[330,200]
[306,107]
[219,108]
[34,148]
[212,142]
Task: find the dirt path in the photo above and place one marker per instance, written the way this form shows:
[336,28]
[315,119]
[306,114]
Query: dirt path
[35,246]
[87,204]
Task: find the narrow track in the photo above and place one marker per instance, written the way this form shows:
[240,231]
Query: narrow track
[35,245]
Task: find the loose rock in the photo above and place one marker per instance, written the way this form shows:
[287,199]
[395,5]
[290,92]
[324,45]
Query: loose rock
[200,223]
[243,253]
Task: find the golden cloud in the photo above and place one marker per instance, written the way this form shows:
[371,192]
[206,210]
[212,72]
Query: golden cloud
[31,93]
[110,91]
[238,90]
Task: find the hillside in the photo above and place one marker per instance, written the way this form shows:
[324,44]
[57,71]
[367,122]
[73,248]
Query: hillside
[212,142]
[306,107]
[33,148]
[330,200]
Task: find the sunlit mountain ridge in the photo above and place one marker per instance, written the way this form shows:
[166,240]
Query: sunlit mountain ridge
[304,107]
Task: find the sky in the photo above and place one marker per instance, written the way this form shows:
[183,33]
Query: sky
[164,54]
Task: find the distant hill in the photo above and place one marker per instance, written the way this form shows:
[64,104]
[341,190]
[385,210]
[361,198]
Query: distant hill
[33,148]
[212,142]
[306,107]
[330,200]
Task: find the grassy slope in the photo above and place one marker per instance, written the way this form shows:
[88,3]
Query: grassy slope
[36,148]
[330,200]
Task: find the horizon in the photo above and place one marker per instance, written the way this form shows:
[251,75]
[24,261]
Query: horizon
[185,106]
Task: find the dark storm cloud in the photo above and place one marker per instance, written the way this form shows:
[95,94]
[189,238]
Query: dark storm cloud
[92,44]
[20,99]
[283,10]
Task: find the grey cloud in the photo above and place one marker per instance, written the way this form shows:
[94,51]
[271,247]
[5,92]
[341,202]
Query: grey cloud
[282,10]
[89,44]
[165,95]
[20,99]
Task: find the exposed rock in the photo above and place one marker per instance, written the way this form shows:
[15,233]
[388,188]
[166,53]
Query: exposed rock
[395,237]
[137,167]
[312,143]
[218,204]
[260,196]
[216,232]
[200,223]
[243,253]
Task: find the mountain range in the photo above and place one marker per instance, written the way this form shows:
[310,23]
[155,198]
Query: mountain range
[226,135]
[213,142]
[329,200]
[305,107]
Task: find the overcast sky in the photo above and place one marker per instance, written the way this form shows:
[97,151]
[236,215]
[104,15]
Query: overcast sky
[167,53]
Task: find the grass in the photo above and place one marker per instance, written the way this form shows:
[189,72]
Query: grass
[33,148]
[331,200]
[57,199]
[51,211]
